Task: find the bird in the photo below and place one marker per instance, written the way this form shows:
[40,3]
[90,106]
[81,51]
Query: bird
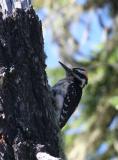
[67,92]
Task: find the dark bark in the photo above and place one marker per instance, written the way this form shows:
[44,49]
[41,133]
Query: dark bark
[27,117]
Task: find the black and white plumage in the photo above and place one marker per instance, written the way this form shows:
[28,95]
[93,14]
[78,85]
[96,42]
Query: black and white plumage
[68,91]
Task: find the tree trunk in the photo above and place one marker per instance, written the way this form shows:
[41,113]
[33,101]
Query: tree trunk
[28,125]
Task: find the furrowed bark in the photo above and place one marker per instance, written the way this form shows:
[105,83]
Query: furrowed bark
[27,116]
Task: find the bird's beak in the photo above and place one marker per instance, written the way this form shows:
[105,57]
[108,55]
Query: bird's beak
[67,69]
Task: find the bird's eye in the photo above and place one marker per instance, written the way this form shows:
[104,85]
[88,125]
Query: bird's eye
[75,71]
[81,75]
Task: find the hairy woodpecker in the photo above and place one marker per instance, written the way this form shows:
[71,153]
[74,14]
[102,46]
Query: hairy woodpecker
[68,91]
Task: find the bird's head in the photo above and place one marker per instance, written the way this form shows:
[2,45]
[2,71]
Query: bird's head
[79,74]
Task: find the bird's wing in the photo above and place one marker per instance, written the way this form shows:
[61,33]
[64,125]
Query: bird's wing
[71,101]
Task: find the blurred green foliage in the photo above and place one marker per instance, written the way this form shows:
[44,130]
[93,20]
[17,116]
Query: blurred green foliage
[100,101]
[49,3]
[55,74]
[100,98]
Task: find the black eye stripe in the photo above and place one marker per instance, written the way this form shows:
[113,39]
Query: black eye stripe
[81,75]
